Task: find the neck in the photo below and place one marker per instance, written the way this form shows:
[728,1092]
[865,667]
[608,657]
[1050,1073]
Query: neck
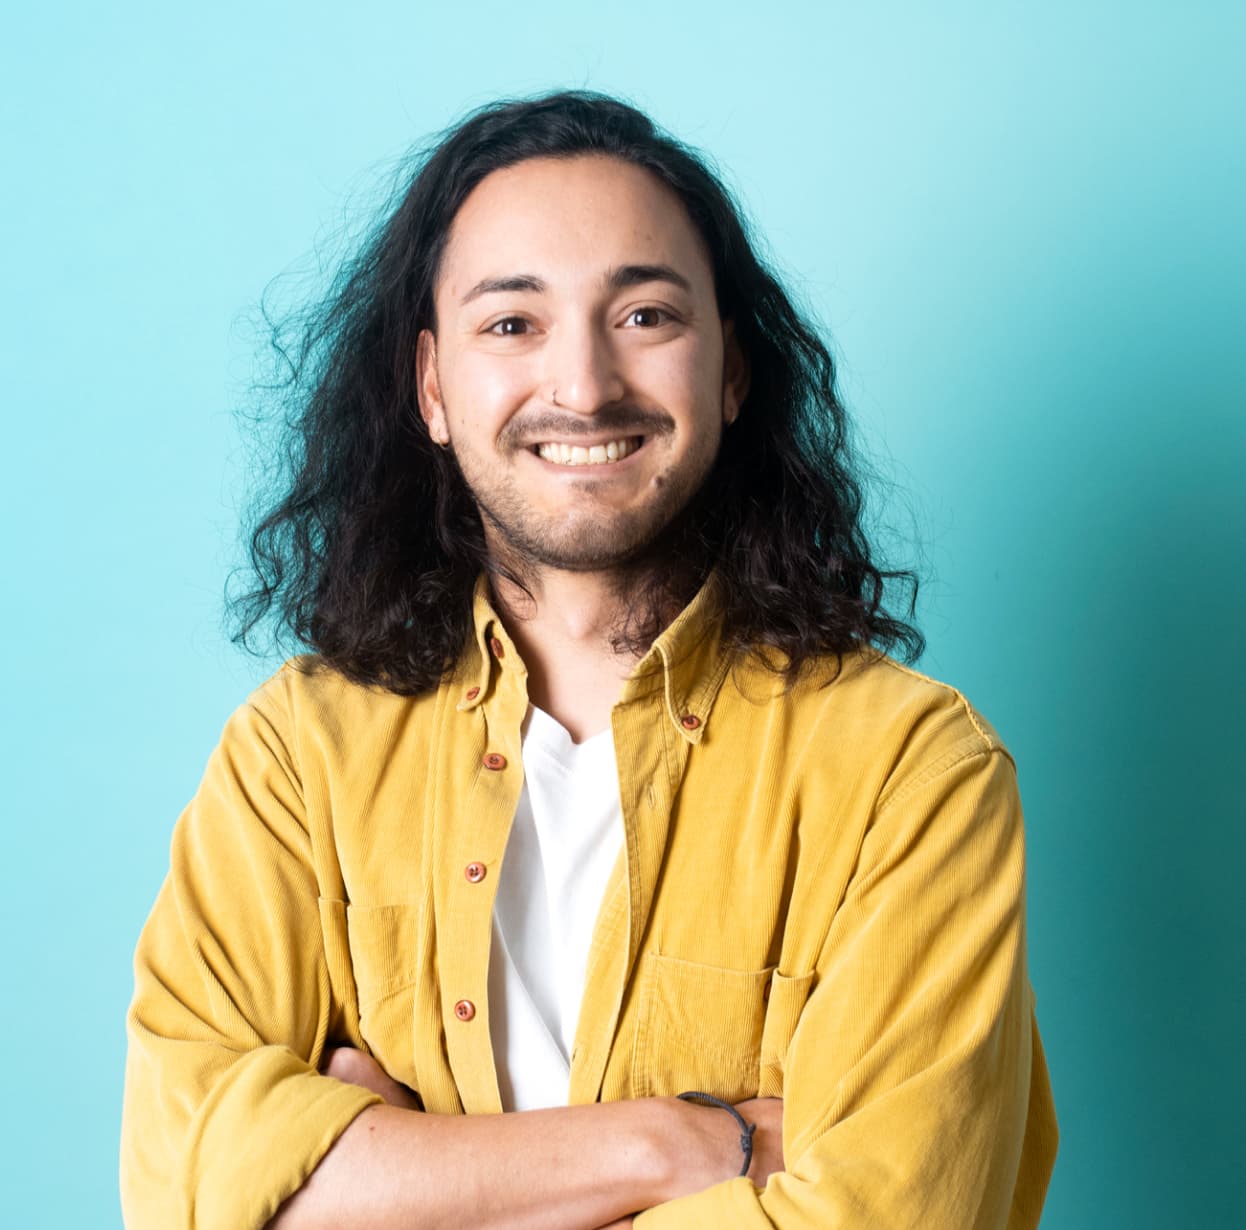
[564,627]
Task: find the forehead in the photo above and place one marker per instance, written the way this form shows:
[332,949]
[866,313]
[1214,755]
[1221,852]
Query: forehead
[568,221]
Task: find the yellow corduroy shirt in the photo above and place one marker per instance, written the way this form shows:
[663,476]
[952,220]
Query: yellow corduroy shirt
[820,897]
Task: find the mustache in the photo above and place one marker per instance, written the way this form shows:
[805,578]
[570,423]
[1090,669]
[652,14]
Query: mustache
[547,425]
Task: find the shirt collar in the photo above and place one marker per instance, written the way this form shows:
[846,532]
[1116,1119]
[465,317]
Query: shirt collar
[685,663]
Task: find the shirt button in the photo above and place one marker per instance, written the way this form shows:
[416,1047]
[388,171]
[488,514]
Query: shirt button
[475,872]
[495,760]
[465,1010]
[471,693]
[495,647]
[690,721]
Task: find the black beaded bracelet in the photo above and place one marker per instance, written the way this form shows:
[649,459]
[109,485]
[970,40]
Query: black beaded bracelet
[746,1129]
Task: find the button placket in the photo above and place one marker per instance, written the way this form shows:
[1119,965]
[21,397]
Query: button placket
[473,836]
[473,850]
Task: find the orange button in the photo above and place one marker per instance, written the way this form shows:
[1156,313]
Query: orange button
[495,760]
[475,872]
[471,693]
[496,648]
[465,1010]
[690,721]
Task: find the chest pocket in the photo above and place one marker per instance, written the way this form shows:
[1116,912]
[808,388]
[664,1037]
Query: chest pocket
[699,1027]
[382,942]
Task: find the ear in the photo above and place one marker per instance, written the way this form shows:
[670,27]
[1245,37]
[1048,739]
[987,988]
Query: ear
[735,374]
[428,388]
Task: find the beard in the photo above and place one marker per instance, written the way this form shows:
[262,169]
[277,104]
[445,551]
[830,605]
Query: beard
[594,537]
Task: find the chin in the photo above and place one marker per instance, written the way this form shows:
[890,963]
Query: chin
[596,544]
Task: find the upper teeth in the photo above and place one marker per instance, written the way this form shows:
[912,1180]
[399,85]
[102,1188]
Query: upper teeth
[598,454]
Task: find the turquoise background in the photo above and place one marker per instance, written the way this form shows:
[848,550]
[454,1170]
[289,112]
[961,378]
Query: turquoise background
[1023,226]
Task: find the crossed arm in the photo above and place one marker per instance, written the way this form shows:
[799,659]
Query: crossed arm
[578,1166]
[915,1089]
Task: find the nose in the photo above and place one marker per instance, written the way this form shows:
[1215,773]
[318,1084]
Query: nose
[582,372]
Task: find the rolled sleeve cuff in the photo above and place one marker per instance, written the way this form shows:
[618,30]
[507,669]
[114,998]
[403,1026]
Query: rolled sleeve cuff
[263,1130]
[267,1132]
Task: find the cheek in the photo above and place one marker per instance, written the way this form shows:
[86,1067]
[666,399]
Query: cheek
[680,375]
[688,381]
[482,391]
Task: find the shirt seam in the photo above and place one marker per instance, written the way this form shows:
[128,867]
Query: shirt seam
[935,769]
[991,739]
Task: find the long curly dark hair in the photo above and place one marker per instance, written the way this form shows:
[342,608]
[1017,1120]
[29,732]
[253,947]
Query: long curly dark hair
[370,549]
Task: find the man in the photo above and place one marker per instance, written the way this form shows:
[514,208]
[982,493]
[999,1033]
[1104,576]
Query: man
[598,788]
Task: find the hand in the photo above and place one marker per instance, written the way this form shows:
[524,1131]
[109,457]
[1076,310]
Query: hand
[353,1067]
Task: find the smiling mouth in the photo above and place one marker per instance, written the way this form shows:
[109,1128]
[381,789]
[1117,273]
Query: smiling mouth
[593,455]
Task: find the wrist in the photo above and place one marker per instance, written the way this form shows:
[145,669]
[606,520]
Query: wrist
[694,1148]
[698,1098]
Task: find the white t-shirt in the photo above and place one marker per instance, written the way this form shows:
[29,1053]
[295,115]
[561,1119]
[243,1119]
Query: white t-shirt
[566,836]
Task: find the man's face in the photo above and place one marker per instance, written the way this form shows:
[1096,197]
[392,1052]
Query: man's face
[579,370]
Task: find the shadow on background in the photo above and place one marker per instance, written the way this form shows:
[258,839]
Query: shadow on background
[1109,660]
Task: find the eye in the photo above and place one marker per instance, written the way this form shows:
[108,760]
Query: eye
[652,317]
[508,326]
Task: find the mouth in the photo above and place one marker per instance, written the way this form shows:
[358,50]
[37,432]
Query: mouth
[608,452]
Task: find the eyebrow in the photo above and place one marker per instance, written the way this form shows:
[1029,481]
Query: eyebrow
[637,275]
[618,278]
[489,286]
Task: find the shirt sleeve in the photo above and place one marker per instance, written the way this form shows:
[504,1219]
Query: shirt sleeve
[225,1114]
[916,1093]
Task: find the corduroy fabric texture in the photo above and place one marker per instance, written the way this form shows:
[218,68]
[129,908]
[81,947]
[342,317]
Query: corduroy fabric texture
[821,896]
